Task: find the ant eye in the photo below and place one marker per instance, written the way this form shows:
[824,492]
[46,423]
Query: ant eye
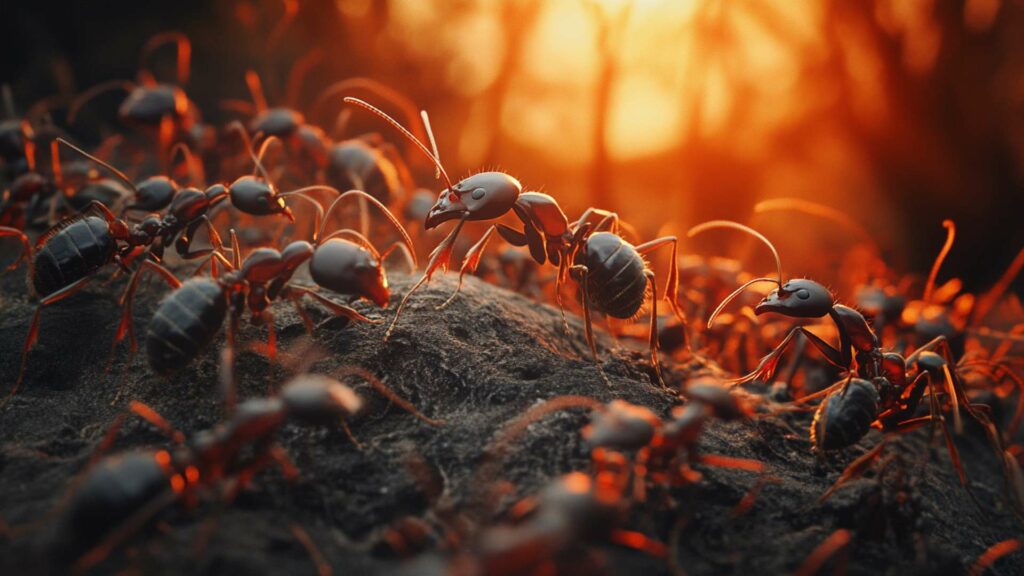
[803,294]
[478,193]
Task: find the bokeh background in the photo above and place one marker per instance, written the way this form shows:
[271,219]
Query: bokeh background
[900,113]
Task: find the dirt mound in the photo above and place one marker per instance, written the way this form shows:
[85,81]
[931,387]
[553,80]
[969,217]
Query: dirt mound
[488,357]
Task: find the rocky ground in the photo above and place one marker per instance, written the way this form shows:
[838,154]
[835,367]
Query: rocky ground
[477,365]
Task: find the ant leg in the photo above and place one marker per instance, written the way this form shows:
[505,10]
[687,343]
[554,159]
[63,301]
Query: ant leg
[398,245]
[856,469]
[33,330]
[227,366]
[936,416]
[583,273]
[835,543]
[26,248]
[672,286]
[323,568]
[993,554]
[127,324]
[388,393]
[470,263]
[438,258]
[295,292]
[638,541]
[750,498]
[126,529]
[512,236]
[307,322]
[766,368]
[654,327]
[150,415]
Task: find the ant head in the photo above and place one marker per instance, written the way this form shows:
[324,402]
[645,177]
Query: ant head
[348,268]
[931,362]
[798,298]
[257,196]
[280,122]
[313,399]
[144,232]
[482,196]
[154,193]
[622,426]
[148,105]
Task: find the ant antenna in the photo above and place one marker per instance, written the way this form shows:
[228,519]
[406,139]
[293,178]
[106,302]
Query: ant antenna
[95,91]
[184,52]
[379,90]
[252,80]
[237,126]
[814,209]
[433,143]
[394,123]
[713,224]
[186,154]
[298,73]
[735,293]
[113,170]
[929,287]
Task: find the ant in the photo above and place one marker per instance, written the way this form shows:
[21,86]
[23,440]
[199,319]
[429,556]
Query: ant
[122,493]
[151,104]
[667,450]
[64,259]
[612,273]
[572,513]
[878,388]
[345,262]
[368,162]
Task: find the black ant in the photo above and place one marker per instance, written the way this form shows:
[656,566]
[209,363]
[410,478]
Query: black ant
[66,257]
[612,272]
[368,162]
[344,261]
[122,493]
[878,387]
[151,104]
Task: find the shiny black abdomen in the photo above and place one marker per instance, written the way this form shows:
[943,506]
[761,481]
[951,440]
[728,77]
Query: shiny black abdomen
[616,282]
[846,416]
[111,492]
[184,323]
[73,253]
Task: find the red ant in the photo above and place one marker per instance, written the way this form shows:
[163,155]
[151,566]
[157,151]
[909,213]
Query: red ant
[122,493]
[612,273]
[345,262]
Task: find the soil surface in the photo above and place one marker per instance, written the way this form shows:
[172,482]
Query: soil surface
[478,364]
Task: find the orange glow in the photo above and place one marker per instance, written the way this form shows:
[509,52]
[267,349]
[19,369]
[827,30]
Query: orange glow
[163,458]
[177,484]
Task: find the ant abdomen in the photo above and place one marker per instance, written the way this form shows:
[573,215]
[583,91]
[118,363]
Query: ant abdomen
[845,416]
[72,253]
[615,279]
[111,492]
[185,323]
